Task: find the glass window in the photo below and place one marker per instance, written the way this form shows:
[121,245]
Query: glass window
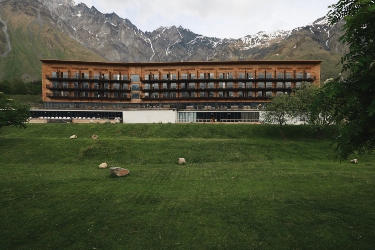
[75,84]
[54,74]
[261,85]
[268,84]
[210,94]
[96,76]
[147,86]
[184,94]
[125,86]
[298,85]
[229,84]
[308,75]
[202,94]
[184,76]
[147,77]
[173,95]
[191,85]
[105,76]
[202,85]
[288,75]
[135,78]
[240,94]
[269,94]
[249,75]
[124,95]
[154,95]
[231,94]
[85,85]
[105,85]
[259,94]
[230,75]
[135,87]
[279,85]
[173,85]
[165,77]
[201,75]
[288,85]
[76,75]
[269,75]
[261,75]
[124,77]
[135,95]
[241,75]
[280,75]
[221,75]
[250,94]
[221,94]
[299,75]
[173,76]
[155,77]
[116,77]
[165,85]
[155,86]
[192,76]
[183,85]
[211,85]
[65,85]
[116,86]
[241,85]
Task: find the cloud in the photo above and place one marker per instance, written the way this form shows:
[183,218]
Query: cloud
[219,18]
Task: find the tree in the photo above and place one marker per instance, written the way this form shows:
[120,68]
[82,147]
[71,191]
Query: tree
[354,91]
[12,113]
[279,111]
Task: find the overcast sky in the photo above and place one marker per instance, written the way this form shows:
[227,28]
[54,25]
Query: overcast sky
[216,18]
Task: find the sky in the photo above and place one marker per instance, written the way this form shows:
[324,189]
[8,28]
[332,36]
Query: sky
[216,18]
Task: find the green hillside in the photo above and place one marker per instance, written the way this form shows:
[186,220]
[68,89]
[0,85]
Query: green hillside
[33,37]
[243,187]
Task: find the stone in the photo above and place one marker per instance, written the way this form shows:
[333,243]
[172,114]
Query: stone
[103,165]
[94,137]
[354,161]
[181,161]
[73,137]
[118,172]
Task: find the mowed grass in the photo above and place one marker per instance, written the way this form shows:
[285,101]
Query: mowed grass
[243,187]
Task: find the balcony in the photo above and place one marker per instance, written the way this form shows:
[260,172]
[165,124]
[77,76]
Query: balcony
[85,79]
[59,96]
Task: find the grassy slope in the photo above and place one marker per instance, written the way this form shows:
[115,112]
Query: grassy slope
[33,39]
[242,188]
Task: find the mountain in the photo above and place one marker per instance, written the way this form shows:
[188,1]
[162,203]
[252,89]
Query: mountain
[34,29]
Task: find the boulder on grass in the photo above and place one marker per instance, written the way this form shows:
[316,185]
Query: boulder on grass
[73,137]
[181,161]
[354,161]
[118,172]
[103,165]
[94,137]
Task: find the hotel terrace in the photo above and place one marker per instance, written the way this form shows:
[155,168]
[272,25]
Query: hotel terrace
[219,90]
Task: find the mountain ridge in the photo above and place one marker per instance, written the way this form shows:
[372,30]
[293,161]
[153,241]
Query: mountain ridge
[91,35]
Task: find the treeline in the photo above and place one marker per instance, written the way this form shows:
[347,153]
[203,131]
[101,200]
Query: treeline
[17,86]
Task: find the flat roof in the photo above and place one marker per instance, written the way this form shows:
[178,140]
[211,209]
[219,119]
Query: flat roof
[155,64]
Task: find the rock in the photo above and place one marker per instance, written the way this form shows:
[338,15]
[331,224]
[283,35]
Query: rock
[103,165]
[354,161]
[118,172]
[181,161]
[73,137]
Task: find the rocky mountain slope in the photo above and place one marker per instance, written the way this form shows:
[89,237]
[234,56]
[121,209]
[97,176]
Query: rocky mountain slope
[70,31]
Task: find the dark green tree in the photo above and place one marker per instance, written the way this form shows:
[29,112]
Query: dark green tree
[13,113]
[354,91]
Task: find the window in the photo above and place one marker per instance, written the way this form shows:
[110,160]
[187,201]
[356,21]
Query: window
[201,76]
[124,77]
[202,85]
[268,84]
[173,76]
[288,75]
[280,75]
[147,86]
[155,86]
[105,76]
[135,78]
[222,85]
[85,75]
[202,94]
[249,75]
[173,95]
[184,76]
[75,84]
[115,95]
[261,85]
[125,86]
[269,94]
[116,77]
[76,94]
[298,85]
[221,94]
[261,75]
[299,75]
[154,95]
[165,85]
[288,85]
[210,94]
[240,94]
[54,74]
[65,85]
[279,85]
[250,94]
[64,74]
[191,85]
[76,75]
[229,84]
[259,94]
[269,75]
[96,76]
[221,75]
[192,76]
[147,77]
[116,86]
[230,75]
[165,77]
[241,75]
[165,95]
[135,87]
[105,86]
[173,85]
[308,75]
[183,85]
[211,85]
[184,94]
[231,94]
[135,96]
[241,85]
[124,95]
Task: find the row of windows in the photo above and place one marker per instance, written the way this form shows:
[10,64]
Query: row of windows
[220,94]
[192,85]
[136,77]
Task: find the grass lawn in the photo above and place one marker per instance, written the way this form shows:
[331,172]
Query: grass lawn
[243,187]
